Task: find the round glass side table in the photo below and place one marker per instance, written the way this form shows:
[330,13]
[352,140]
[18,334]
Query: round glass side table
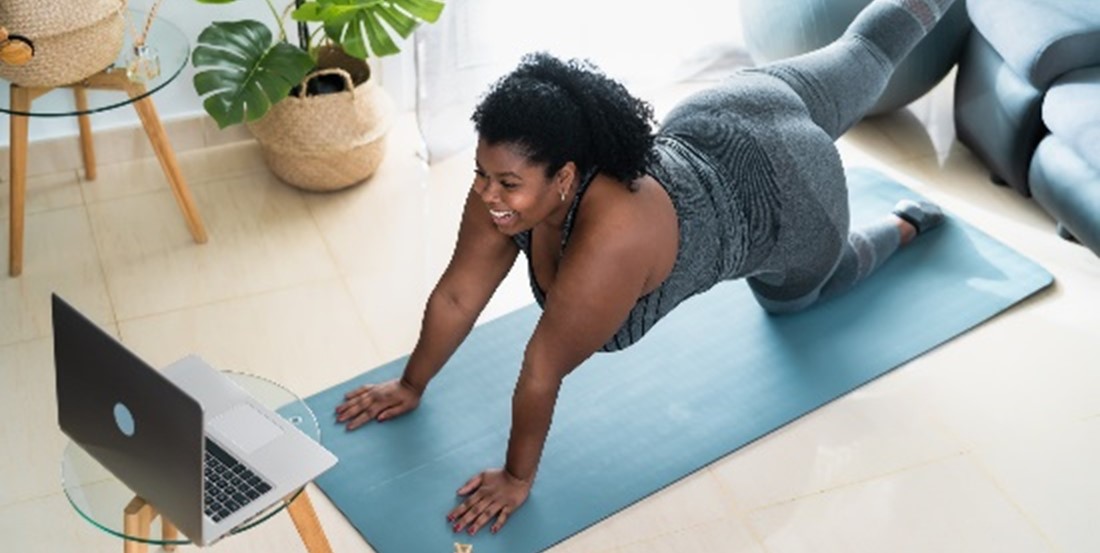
[172,49]
[104,501]
[97,93]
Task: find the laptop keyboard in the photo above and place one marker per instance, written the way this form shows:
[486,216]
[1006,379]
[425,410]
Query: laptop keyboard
[228,484]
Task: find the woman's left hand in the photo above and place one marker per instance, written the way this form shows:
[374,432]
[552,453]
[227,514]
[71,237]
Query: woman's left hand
[493,493]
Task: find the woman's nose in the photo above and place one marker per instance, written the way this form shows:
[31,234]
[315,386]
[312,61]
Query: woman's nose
[486,190]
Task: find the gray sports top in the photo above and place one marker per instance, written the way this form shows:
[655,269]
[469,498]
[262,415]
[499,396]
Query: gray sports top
[726,226]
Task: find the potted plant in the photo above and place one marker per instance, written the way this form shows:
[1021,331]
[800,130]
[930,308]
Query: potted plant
[318,116]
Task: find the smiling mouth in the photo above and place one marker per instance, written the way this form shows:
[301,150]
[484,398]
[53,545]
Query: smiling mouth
[502,217]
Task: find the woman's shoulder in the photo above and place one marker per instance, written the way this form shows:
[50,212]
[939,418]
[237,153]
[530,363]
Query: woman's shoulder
[611,197]
[635,229]
[624,212]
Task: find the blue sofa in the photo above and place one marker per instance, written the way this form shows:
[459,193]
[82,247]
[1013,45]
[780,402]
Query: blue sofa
[1027,103]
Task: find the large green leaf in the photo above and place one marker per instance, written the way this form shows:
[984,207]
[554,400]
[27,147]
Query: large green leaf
[365,27]
[241,71]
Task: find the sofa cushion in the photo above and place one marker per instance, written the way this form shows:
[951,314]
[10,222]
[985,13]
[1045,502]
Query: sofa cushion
[1071,110]
[998,114]
[1069,189]
[1040,39]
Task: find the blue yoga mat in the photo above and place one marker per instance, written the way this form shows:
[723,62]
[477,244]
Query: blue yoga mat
[713,376]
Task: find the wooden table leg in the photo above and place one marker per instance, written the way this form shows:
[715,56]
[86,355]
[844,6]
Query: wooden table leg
[137,521]
[87,146]
[168,532]
[21,98]
[20,102]
[137,517]
[309,527]
[159,139]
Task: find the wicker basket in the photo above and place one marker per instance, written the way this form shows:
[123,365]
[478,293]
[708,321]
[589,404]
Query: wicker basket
[73,39]
[328,141]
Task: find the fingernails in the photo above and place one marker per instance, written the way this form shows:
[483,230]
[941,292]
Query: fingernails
[456,528]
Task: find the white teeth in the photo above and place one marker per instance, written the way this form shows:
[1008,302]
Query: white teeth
[500,214]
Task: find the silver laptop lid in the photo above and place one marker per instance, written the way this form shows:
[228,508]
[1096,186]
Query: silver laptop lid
[129,417]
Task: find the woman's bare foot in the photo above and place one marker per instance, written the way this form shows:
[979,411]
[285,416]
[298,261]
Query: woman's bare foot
[916,217]
[908,231]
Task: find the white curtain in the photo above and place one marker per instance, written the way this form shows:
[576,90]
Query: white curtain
[643,44]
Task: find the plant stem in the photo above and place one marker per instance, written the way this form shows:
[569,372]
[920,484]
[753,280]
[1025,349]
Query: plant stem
[278,19]
[313,35]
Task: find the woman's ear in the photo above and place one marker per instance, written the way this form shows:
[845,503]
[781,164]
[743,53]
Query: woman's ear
[566,175]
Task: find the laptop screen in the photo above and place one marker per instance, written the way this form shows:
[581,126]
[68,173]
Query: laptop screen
[129,417]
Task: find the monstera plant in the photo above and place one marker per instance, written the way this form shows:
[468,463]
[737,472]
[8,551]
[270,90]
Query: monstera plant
[242,70]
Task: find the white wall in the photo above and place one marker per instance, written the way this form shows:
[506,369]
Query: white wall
[178,99]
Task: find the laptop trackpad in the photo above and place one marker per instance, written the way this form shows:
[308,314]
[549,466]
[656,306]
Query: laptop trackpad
[246,427]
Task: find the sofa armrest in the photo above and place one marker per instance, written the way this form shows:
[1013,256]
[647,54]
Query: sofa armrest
[1071,110]
[1040,39]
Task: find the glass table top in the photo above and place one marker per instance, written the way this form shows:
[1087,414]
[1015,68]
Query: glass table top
[165,39]
[100,498]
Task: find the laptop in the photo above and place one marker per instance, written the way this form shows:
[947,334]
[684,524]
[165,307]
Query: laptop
[187,439]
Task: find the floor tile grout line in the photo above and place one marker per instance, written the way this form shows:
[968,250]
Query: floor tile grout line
[6,215]
[343,275]
[120,321]
[99,257]
[30,499]
[979,463]
[673,532]
[230,299]
[957,454]
[734,508]
[161,190]
[202,183]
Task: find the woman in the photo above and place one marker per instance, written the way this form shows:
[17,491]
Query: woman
[619,226]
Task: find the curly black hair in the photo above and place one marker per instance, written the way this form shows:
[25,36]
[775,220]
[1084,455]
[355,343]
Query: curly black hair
[558,111]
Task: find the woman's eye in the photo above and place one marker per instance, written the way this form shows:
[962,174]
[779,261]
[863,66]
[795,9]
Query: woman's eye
[478,173]
[509,185]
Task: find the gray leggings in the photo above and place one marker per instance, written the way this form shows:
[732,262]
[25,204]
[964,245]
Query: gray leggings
[837,85]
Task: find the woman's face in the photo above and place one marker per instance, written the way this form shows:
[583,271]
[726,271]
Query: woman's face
[516,192]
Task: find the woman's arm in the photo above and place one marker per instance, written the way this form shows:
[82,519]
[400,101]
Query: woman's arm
[599,279]
[481,259]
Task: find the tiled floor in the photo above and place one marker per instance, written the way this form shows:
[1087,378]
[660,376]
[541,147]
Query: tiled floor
[986,445]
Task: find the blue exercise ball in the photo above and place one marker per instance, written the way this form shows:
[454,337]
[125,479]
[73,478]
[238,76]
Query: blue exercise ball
[777,29]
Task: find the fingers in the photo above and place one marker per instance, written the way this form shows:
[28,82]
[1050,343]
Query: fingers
[486,499]
[457,513]
[391,411]
[362,412]
[470,485]
[358,420]
[486,515]
[352,402]
[477,511]
[366,388]
[364,405]
[501,519]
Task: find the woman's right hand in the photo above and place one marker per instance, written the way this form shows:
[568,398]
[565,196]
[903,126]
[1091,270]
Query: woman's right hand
[377,402]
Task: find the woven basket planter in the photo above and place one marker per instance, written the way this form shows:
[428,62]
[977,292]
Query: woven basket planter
[73,39]
[329,141]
